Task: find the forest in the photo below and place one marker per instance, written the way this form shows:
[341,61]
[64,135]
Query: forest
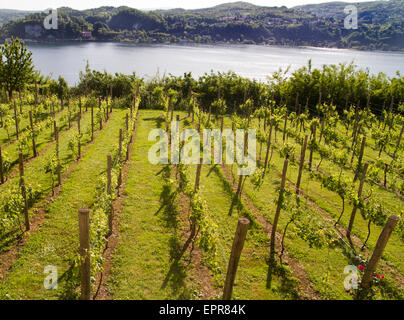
[380,25]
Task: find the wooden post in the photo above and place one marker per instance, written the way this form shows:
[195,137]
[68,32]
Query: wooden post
[23,191]
[399,141]
[127,122]
[120,144]
[278,209]
[354,142]
[120,158]
[239,187]
[109,174]
[70,119]
[198,175]
[313,139]
[360,158]
[285,126]
[109,189]
[302,156]
[54,128]
[33,134]
[268,147]
[79,142]
[238,244]
[221,124]
[351,220]
[1,168]
[127,147]
[57,155]
[36,94]
[321,129]
[16,119]
[356,121]
[378,251]
[84,232]
[92,123]
[19,95]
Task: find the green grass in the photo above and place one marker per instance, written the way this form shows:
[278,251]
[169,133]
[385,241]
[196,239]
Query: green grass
[35,173]
[56,243]
[42,140]
[331,203]
[327,264]
[145,264]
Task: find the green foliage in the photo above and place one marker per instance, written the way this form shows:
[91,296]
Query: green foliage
[102,209]
[380,25]
[59,88]
[12,204]
[16,67]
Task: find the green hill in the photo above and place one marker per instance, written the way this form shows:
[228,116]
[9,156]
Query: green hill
[381,25]
[7,15]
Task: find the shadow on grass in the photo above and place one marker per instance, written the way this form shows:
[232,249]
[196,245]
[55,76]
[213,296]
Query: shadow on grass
[177,273]
[8,239]
[236,201]
[158,120]
[288,285]
[70,282]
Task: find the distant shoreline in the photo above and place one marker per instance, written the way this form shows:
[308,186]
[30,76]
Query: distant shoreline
[74,41]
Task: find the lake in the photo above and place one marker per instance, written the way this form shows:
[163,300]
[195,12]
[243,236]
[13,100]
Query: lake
[251,61]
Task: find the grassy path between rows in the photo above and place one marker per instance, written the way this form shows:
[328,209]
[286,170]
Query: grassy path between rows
[56,243]
[146,263]
[282,282]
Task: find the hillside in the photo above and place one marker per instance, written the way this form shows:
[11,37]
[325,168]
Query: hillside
[375,12]
[380,25]
[7,15]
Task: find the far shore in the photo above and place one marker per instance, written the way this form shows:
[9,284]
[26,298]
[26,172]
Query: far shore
[189,43]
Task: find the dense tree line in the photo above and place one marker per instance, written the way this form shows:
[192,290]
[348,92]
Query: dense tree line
[234,23]
[341,85]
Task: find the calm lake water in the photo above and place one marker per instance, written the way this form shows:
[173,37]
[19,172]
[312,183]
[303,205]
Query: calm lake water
[255,62]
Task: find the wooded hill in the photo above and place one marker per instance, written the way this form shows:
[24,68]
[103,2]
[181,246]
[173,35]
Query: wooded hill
[380,25]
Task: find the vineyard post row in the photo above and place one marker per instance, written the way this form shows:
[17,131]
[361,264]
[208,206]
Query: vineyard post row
[33,134]
[84,219]
[243,223]
[238,244]
[389,226]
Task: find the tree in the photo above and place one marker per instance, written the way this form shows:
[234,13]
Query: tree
[16,67]
[60,88]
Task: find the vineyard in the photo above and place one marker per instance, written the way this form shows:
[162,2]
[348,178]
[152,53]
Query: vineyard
[85,214]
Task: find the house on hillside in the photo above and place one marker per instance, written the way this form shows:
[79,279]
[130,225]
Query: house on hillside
[86,35]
